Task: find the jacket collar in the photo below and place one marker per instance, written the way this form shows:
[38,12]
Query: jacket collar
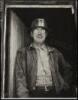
[50,49]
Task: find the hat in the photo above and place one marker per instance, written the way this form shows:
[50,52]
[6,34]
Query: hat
[39,22]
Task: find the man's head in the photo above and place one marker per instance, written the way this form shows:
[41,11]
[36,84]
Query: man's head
[39,30]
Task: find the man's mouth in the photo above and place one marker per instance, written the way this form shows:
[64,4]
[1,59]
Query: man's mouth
[39,36]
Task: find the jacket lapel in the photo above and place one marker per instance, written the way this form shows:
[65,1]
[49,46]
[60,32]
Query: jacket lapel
[53,71]
[32,66]
[58,80]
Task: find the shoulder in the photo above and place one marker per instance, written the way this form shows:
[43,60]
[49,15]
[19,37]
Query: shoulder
[54,50]
[22,50]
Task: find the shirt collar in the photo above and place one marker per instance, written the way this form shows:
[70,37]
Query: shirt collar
[50,49]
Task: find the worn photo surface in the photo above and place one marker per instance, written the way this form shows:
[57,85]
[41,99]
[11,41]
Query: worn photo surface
[38,49]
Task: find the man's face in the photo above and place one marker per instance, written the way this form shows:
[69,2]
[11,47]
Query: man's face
[39,35]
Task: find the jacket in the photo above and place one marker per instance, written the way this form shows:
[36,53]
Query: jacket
[25,72]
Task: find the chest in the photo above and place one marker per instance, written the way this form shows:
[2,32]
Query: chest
[35,59]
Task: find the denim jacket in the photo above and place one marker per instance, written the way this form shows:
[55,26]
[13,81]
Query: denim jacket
[25,72]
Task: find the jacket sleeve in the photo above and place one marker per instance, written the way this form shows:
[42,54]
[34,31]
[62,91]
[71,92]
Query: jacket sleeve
[66,69]
[20,76]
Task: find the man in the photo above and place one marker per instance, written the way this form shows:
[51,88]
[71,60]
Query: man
[37,67]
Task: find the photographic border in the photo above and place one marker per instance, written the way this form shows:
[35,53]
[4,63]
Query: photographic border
[4,41]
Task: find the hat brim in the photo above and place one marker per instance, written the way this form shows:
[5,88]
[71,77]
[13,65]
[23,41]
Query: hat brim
[32,28]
